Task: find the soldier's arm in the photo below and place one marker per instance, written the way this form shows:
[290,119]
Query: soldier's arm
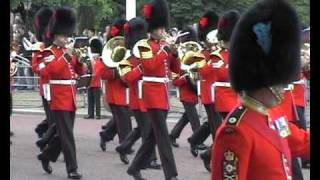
[133,76]
[35,62]
[231,154]
[179,81]
[299,141]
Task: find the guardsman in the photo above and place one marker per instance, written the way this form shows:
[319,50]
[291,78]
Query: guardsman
[41,21]
[157,59]
[257,141]
[206,25]
[131,73]
[117,94]
[94,90]
[63,68]
[187,89]
[225,97]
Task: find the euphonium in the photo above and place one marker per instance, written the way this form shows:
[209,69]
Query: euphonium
[114,52]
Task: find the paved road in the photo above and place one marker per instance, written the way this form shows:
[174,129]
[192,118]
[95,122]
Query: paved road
[93,163]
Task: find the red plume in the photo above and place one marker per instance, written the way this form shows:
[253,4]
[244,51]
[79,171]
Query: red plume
[114,31]
[126,27]
[203,22]
[147,11]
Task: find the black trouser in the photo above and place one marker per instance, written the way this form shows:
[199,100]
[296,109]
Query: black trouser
[94,94]
[296,170]
[110,131]
[190,115]
[64,141]
[143,129]
[207,128]
[159,135]
[43,126]
[121,115]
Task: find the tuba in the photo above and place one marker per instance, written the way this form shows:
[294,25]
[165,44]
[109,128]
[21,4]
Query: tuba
[191,58]
[114,52]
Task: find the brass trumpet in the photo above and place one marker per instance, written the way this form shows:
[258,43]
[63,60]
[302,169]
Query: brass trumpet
[13,69]
[114,52]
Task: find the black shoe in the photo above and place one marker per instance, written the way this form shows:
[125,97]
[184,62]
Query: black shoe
[41,144]
[206,161]
[45,164]
[88,117]
[104,127]
[98,117]
[124,158]
[202,147]
[102,143]
[136,175]
[11,133]
[130,151]
[154,165]
[74,175]
[173,141]
[193,148]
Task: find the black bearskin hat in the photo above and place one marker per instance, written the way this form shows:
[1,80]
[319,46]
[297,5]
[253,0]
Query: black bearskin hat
[226,25]
[96,45]
[135,30]
[265,47]
[62,22]
[117,28]
[157,14]
[207,23]
[192,36]
[41,21]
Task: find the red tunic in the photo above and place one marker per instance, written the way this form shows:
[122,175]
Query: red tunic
[96,78]
[37,58]
[207,79]
[299,92]
[186,93]
[225,97]
[155,94]
[288,106]
[63,97]
[115,88]
[132,78]
[246,148]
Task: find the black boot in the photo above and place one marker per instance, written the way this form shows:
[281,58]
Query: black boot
[136,175]
[154,165]
[202,146]
[173,141]
[193,148]
[45,164]
[206,160]
[74,175]
[123,156]
[102,143]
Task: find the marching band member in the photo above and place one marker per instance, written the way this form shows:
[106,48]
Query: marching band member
[116,90]
[131,73]
[156,62]
[225,97]
[187,93]
[257,141]
[207,24]
[63,67]
[41,21]
[94,90]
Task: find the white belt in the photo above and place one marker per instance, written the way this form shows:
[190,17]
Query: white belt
[150,79]
[46,92]
[63,82]
[198,87]
[127,95]
[178,93]
[299,82]
[155,79]
[218,84]
[289,88]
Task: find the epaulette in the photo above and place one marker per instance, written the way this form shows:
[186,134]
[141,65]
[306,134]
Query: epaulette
[236,116]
